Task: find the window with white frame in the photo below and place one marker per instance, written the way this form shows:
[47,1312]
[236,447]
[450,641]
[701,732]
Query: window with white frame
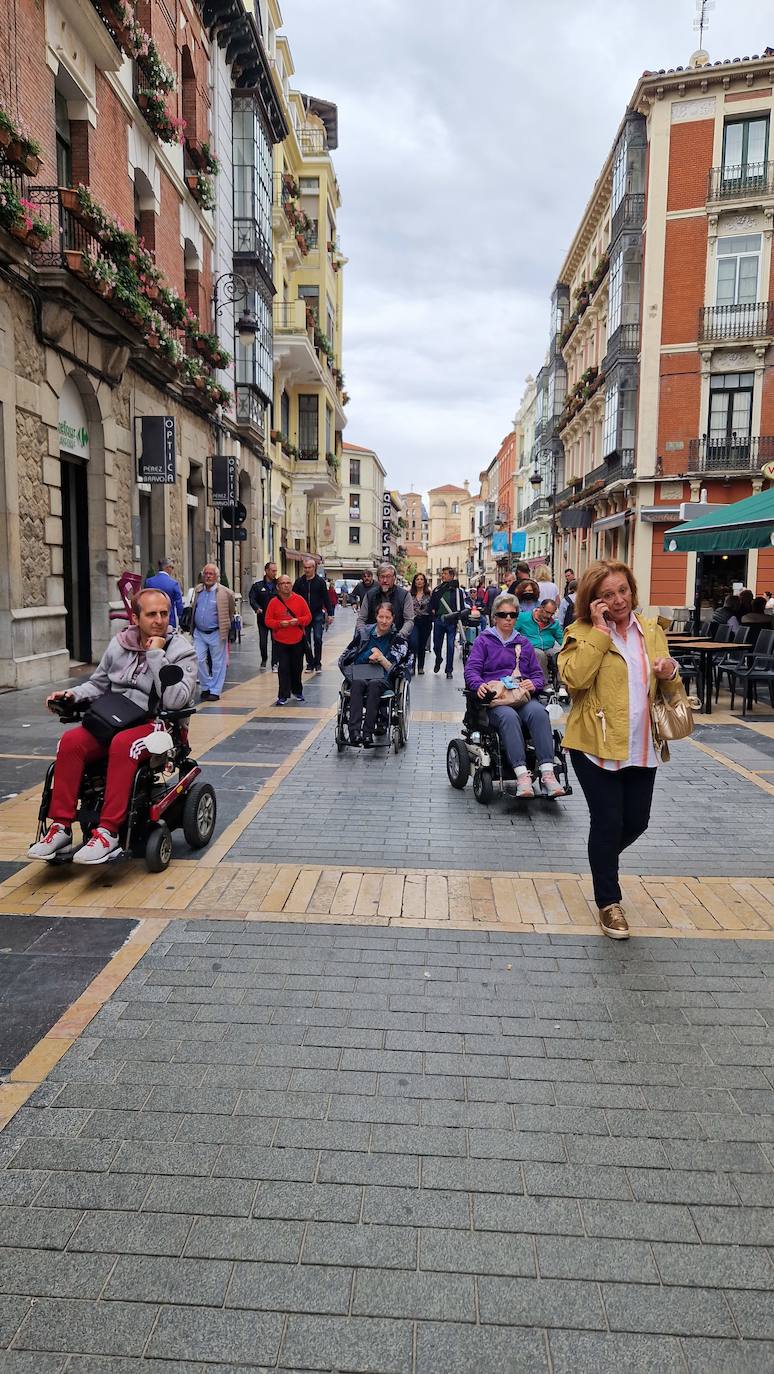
[619,175]
[610,427]
[738,269]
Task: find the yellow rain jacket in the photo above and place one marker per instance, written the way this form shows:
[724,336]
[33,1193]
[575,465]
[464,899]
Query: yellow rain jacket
[597,678]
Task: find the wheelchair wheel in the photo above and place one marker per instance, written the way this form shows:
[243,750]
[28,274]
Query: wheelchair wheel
[483,786]
[458,764]
[200,812]
[402,716]
[158,848]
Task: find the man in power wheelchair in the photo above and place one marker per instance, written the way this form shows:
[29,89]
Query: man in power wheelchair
[503,679]
[374,700]
[113,773]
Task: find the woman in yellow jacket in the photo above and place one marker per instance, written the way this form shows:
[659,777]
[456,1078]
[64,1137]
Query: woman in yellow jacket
[613,661]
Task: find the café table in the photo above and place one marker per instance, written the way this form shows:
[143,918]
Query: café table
[705,649]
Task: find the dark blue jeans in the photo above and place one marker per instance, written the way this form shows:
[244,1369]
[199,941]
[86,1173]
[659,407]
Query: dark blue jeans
[419,639]
[447,630]
[313,641]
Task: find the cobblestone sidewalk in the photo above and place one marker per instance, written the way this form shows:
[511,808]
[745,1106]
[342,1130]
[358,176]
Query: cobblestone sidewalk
[402,1152]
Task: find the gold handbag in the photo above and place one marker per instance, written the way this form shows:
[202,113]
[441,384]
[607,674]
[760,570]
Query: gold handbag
[672,717]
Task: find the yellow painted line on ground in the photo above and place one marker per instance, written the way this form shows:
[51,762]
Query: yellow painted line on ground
[45,758]
[733,767]
[212,856]
[36,1066]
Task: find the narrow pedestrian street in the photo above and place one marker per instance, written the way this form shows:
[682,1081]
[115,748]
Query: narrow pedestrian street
[360,1087]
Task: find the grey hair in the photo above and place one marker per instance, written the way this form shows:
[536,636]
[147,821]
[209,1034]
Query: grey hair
[502,599]
[386,567]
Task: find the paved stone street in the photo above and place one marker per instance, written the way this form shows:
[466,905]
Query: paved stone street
[360,1088]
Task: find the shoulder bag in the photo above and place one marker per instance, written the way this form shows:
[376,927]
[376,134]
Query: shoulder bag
[108,715]
[672,717]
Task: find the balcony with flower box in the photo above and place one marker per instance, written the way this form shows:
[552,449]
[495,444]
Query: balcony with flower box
[316,476]
[91,266]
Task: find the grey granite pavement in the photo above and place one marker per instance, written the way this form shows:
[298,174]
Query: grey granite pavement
[385,1151]
[385,809]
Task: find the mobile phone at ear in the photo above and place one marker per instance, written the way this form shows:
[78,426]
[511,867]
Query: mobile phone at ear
[608,617]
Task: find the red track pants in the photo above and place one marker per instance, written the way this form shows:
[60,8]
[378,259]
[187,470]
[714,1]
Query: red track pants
[77,748]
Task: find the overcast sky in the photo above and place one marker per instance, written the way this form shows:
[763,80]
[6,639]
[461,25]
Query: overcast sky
[470,137]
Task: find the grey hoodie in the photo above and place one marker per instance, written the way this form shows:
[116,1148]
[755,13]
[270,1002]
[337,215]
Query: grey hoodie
[125,667]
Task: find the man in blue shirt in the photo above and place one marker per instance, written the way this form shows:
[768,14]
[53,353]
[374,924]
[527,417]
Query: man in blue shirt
[163,581]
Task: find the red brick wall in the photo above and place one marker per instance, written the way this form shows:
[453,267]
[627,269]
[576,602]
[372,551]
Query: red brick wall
[26,84]
[690,159]
[678,411]
[767,402]
[169,253]
[684,272]
[667,573]
[108,157]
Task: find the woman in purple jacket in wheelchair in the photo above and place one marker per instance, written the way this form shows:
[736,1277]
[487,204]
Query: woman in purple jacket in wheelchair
[501,653]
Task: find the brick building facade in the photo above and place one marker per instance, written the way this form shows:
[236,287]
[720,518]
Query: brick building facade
[663,318]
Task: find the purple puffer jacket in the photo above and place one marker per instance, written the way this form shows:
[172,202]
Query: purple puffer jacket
[491,659]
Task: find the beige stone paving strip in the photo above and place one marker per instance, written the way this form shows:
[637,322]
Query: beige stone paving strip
[368,894]
[323,894]
[391,896]
[437,897]
[303,890]
[345,896]
[30,1073]
[284,882]
[259,886]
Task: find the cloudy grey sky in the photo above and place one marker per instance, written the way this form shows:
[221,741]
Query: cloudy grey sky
[470,136]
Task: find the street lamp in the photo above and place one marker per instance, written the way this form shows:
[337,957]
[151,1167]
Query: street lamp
[227,289]
[235,288]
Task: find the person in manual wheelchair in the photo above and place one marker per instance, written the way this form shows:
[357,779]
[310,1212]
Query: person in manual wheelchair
[143,663]
[504,673]
[369,664]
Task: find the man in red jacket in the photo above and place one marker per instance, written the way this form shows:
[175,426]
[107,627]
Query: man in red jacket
[287,616]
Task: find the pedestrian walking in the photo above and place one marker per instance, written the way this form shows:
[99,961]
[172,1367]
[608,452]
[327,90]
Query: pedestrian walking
[333,597]
[212,612]
[314,590]
[546,585]
[287,616]
[387,589]
[163,581]
[566,612]
[423,621]
[446,604]
[259,596]
[613,662]
[362,588]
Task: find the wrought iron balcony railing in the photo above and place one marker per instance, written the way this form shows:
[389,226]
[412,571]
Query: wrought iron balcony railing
[250,241]
[750,320]
[629,215]
[742,182]
[620,465]
[743,453]
[623,344]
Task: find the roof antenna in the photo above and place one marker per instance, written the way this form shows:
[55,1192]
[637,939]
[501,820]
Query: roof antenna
[701,22]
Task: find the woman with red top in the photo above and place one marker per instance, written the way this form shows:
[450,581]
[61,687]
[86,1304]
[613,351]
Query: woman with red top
[287,616]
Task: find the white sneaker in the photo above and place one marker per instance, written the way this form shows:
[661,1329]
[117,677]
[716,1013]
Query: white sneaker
[98,849]
[521,787]
[551,785]
[56,837]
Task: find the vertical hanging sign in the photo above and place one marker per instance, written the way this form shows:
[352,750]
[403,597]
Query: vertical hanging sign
[386,519]
[224,479]
[157,462]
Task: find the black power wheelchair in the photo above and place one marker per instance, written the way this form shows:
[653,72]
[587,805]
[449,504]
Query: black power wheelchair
[166,795]
[479,752]
[393,721]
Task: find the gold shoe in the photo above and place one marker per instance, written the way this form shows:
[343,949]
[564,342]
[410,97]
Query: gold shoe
[613,922]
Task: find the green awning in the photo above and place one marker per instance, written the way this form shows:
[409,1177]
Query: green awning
[747,524]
